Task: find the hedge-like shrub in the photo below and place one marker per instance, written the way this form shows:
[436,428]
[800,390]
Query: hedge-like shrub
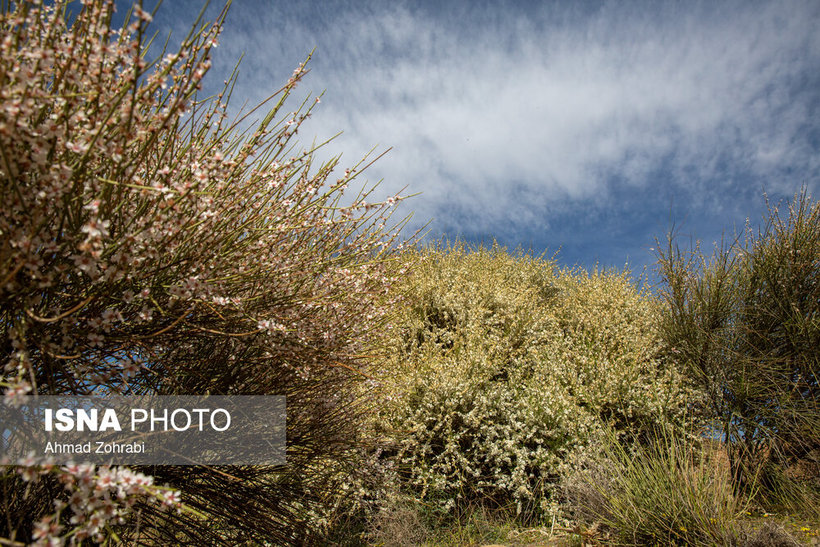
[502,367]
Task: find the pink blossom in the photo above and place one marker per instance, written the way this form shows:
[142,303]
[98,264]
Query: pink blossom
[85,263]
[46,527]
[77,147]
[109,316]
[16,393]
[173,497]
[96,228]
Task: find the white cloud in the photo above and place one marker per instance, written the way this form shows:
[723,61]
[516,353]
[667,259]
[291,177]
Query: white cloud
[552,104]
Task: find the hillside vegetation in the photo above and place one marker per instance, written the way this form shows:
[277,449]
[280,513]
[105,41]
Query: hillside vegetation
[448,394]
[521,396]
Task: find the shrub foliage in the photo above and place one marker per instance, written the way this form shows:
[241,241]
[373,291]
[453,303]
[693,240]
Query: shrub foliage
[150,244]
[745,324]
[502,367]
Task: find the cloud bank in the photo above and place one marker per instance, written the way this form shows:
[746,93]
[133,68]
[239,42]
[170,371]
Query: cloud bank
[516,120]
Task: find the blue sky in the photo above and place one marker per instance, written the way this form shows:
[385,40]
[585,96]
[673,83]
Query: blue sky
[589,127]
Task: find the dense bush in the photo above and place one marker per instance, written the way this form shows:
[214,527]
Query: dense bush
[149,244]
[502,367]
[745,324]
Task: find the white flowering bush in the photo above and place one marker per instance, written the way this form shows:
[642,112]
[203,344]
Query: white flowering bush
[148,243]
[503,367]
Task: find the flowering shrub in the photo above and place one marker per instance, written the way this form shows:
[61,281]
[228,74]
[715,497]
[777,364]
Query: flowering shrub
[503,367]
[100,498]
[150,244]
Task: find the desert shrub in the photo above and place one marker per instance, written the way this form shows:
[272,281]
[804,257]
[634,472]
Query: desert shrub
[744,325]
[770,534]
[151,245]
[501,367]
[663,492]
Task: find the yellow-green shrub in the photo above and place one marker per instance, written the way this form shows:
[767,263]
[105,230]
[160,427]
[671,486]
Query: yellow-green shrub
[503,366]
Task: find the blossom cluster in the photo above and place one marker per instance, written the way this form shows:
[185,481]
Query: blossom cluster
[99,497]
